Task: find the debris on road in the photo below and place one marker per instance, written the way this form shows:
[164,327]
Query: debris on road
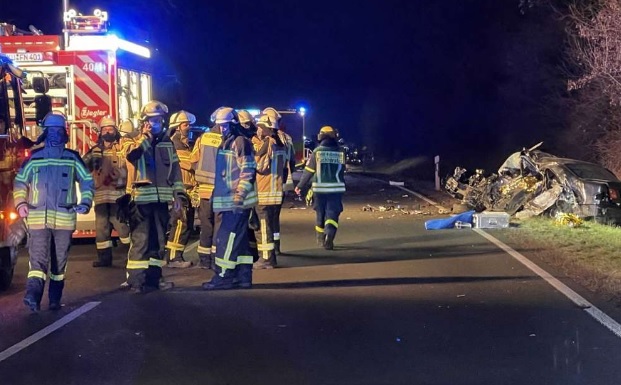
[532,182]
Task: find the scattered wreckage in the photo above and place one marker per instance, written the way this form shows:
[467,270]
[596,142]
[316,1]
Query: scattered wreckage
[532,182]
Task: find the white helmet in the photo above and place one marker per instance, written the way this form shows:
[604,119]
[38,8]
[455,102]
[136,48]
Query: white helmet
[272,113]
[153,108]
[107,121]
[223,115]
[127,127]
[181,117]
[54,119]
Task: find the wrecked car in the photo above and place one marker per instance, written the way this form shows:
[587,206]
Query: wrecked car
[532,182]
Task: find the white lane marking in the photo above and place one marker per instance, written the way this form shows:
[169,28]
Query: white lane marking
[576,298]
[47,330]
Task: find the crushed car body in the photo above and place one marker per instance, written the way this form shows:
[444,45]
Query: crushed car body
[532,182]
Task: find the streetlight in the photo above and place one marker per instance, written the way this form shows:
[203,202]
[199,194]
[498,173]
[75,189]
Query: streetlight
[302,112]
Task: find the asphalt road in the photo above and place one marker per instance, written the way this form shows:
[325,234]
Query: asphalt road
[392,304]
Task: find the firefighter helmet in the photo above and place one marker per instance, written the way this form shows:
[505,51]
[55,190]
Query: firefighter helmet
[272,113]
[153,108]
[127,127]
[181,117]
[107,121]
[223,115]
[264,120]
[54,119]
[245,118]
[327,132]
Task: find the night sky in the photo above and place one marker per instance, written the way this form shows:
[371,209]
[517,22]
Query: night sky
[462,78]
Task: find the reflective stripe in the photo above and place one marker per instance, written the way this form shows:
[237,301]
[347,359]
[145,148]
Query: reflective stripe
[156,262]
[137,265]
[225,263]
[332,222]
[103,245]
[319,229]
[203,250]
[265,246]
[125,241]
[37,274]
[59,277]
[244,260]
[174,246]
[277,236]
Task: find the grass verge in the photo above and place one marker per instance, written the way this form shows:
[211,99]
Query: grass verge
[589,254]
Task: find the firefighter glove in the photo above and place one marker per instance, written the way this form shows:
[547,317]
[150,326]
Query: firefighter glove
[81,208]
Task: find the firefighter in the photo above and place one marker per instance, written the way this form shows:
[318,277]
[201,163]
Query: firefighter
[157,184]
[270,159]
[203,159]
[45,195]
[181,225]
[326,167]
[233,197]
[246,121]
[106,162]
[289,167]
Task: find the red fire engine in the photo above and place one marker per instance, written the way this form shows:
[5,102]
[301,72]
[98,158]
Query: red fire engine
[12,153]
[90,73]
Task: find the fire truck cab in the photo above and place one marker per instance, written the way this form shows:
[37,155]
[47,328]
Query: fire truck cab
[90,73]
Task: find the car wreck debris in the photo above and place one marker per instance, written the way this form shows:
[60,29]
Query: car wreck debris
[532,182]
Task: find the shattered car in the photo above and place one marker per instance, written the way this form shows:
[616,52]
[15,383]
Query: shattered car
[532,182]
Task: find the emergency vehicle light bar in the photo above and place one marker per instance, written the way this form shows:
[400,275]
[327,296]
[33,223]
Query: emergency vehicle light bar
[106,43]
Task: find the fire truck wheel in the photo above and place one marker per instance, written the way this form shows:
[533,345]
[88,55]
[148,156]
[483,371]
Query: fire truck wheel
[6,268]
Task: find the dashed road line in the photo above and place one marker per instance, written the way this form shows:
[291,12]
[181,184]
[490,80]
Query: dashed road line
[47,330]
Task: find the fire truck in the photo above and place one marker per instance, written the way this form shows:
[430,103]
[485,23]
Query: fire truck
[89,72]
[13,151]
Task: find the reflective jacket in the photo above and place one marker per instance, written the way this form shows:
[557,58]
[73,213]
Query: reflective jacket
[326,167]
[126,143]
[46,183]
[203,159]
[158,175]
[108,167]
[235,175]
[270,159]
[184,154]
[289,160]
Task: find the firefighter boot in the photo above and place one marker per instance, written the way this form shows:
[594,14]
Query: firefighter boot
[34,292]
[219,283]
[321,238]
[104,258]
[243,278]
[277,247]
[328,244]
[55,293]
[206,261]
[177,261]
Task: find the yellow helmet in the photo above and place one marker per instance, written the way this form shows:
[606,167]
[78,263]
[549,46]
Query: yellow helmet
[107,121]
[127,127]
[264,120]
[327,132]
[272,113]
[181,117]
[153,108]
[244,117]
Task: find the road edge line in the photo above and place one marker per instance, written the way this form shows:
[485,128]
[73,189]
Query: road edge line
[576,298]
[47,330]
[601,317]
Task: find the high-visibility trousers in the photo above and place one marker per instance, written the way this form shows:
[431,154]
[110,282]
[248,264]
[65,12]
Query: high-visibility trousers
[105,220]
[179,234]
[232,247]
[328,207]
[148,239]
[47,247]
[265,234]
[210,222]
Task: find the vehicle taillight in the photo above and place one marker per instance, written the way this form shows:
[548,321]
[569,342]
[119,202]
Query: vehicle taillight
[614,194]
[10,215]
